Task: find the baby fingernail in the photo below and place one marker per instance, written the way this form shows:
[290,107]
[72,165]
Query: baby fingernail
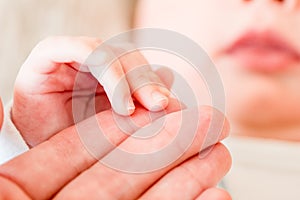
[160,101]
[130,106]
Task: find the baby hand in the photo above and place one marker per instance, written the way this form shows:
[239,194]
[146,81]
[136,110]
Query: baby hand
[44,93]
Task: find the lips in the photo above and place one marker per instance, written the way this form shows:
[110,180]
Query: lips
[264,51]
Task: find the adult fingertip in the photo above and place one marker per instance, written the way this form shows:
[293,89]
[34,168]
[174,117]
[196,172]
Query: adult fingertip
[214,193]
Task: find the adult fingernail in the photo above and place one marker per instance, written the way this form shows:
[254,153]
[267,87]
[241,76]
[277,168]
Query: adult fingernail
[160,101]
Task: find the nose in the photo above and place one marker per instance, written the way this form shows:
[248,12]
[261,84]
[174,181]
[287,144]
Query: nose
[291,4]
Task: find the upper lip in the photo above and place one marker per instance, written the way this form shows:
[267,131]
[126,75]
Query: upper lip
[267,40]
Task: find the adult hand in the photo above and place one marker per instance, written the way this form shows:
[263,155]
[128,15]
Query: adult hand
[44,88]
[63,168]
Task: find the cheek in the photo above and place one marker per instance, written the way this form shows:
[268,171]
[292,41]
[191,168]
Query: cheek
[257,99]
[203,21]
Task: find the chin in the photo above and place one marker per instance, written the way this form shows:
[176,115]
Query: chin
[268,99]
[262,108]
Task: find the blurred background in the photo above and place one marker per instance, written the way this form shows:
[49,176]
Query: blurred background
[26,22]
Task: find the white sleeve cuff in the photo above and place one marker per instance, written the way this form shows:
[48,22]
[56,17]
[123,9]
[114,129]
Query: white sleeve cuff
[11,142]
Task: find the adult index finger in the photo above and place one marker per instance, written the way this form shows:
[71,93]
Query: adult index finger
[130,185]
[45,169]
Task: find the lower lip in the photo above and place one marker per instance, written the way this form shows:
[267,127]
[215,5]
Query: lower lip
[264,59]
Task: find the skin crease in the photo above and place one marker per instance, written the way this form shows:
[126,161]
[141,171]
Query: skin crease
[256,101]
[68,169]
[49,74]
[65,150]
[87,177]
[258,104]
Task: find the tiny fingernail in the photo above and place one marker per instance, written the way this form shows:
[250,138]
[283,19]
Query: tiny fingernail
[160,101]
[130,106]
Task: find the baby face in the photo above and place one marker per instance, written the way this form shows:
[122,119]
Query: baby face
[255,46]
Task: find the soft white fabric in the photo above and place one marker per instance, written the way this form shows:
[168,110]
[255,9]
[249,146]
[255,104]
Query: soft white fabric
[263,169]
[11,141]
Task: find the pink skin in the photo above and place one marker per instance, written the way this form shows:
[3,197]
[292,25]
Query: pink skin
[70,171]
[65,151]
[43,88]
[258,62]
